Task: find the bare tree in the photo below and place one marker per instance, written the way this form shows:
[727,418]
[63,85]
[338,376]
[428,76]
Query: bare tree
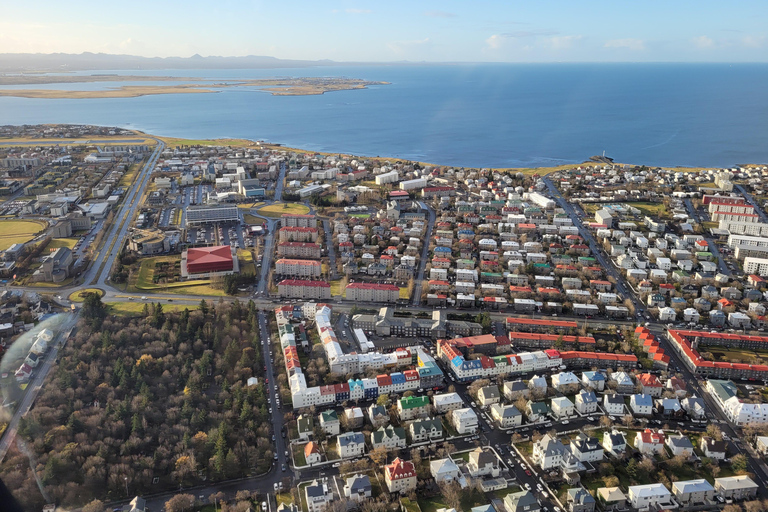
[180,503]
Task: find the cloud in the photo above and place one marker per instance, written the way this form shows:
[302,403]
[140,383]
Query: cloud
[703,42]
[401,46]
[439,14]
[495,41]
[631,44]
[357,11]
[754,41]
[563,42]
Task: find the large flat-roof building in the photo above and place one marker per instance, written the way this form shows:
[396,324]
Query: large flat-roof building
[200,262]
[208,214]
[298,268]
[372,292]
[304,289]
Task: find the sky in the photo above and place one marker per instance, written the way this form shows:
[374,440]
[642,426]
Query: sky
[396,30]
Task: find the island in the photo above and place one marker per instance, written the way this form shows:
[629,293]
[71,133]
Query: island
[301,86]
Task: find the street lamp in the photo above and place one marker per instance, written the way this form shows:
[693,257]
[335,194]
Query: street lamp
[126,486]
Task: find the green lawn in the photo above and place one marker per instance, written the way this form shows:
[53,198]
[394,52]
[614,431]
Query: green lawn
[79,296]
[650,209]
[137,308]
[278,209]
[336,289]
[298,454]
[69,243]
[468,501]
[18,231]
[252,219]
[404,293]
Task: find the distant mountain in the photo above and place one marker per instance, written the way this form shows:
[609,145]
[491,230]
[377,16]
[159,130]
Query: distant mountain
[29,62]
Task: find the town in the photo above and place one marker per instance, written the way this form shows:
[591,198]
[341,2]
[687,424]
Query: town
[335,332]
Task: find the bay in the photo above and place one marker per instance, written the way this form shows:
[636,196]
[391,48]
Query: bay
[489,115]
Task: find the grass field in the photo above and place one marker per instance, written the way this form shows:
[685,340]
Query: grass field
[710,225]
[360,215]
[336,289]
[252,219]
[62,242]
[730,353]
[171,142]
[404,293]
[276,210]
[79,296]
[651,209]
[136,308]
[128,177]
[18,231]
[144,281]
[247,266]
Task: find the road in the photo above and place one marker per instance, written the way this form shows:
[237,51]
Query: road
[712,245]
[34,385]
[97,275]
[333,271]
[419,284]
[751,200]
[624,290]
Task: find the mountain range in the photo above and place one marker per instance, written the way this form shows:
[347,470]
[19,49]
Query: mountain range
[58,62]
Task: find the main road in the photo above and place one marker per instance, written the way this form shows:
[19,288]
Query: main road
[416,299]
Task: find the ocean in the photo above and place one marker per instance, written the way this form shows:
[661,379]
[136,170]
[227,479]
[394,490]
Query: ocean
[489,115]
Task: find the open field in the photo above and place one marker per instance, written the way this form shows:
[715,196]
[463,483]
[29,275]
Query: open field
[144,281]
[278,209]
[336,288]
[128,177]
[252,219]
[136,308]
[18,231]
[651,209]
[62,242]
[247,266]
[79,296]
[732,353]
[173,141]
[248,206]
[404,293]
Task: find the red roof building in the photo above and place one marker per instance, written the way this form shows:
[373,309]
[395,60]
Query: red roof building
[202,260]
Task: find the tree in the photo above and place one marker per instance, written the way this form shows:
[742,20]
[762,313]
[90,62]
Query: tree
[714,432]
[378,455]
[611,481]
[180,503]
[732,508]
[606,422]
[739,464]
[754,506]
[383,400]
[93,310]
[627,419]
[95,506]
[451,493]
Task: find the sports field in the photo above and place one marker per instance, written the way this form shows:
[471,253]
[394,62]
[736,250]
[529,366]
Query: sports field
[18,231]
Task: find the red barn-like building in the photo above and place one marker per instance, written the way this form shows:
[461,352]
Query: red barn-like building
[202,260]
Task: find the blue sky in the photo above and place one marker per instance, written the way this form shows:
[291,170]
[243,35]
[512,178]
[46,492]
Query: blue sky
[394,30]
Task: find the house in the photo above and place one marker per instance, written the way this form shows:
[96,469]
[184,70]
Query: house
[677,386]
[444,470]
[611,499]
[712,448]
[378,415]
[483,462]
[400,476]
[670,407]
[679,445]
[488,395]
[354,417]
[667,314]
[425,430]
[614,442]
[761,445]
[318,495]
[515,389]
[694,407]
[650,496]
[537,384]
[693,492]
[412,407]
[579,500]
[312,453]
[523,501]
[351,444]
[391,438]
[593,380]
[623,382]
[613,404]
[649,442]
[464,420]
[536,411]
[306,427]
[736,487]
[329,422]
[549,452]
[446,402]
[651,384]
[586,402]
[565,382]
[562,407]
[586,448]
[357,488]
[641,405]
[506,415]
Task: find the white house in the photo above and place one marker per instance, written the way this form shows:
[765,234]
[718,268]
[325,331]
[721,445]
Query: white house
[318,495]
[446,402]
[562,407]
[613,404]
[614,442]
[351,444]
[643,497]
[444,470]
[641,405]
[507,415]
[586,402]
[464,420]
